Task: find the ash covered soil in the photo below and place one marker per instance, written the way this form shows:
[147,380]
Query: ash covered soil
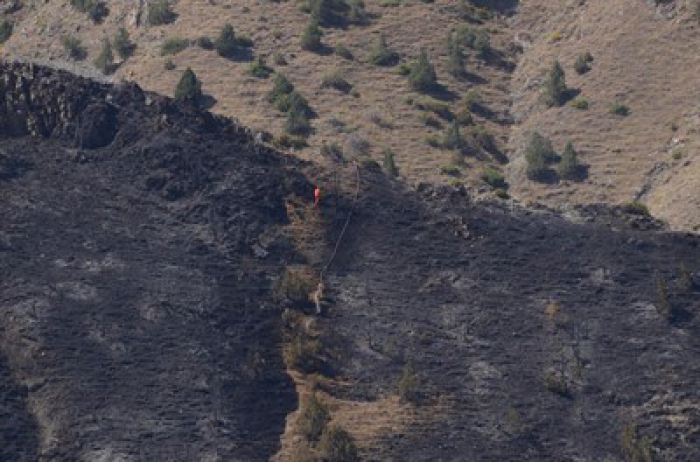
[138,323]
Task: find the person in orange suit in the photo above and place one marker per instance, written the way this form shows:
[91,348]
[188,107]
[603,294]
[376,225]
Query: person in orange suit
[317,196]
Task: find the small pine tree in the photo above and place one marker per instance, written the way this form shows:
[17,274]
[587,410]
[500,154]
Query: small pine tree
[105,60]
[259,68]
[570,166]
[189,88]
[538,154]
[280,89]
[455,63]
[555,88]
[311,37]
[122,43]
[389,164]
[225,43]
[422,76]
[5,31]
[313,419]
[582,63]
[382,55]
[336,445]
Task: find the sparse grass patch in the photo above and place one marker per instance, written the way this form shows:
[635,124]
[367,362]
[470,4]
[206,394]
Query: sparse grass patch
[409,385]
[336,445]
[580,103]
[286,141]
[313,419]
[294,286]
[636,448]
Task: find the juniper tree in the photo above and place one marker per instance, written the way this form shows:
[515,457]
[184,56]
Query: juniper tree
[422,76]
[455,63]
[389,164]
[311,37]
[189,88]
[555,87]
[226,43]
[538,154]
[570,166]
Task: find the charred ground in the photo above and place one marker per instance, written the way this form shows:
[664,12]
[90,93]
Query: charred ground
[138,321]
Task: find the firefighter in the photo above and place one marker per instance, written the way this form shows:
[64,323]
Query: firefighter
[317,196]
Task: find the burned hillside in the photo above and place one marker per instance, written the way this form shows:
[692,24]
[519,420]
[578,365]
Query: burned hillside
[141,249]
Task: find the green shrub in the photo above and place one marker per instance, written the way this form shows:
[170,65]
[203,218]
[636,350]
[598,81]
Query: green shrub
[173,46]
[538,154]
[493,178]
[422,76]
[429,121]
[472,100]
[619,109]
[336,80]
[159,13]
[501,193]
[636,208]
[311,37]
[382,55]
[473,38]
[226,44]
[389,3]
[570,167]
[259,69]
[555,87]
[409,384]
[189,88]
[336,445]
[582,63]
[389,164]
[122,43]
[243,41]
[328,13]
[169,65]
[403,69]
[313,419]
[343,51]
[580,103]
[279,59]
[74,47]
[105,60]
[483,138]
[450,170]
[433,141]
[294,101]
[5,31]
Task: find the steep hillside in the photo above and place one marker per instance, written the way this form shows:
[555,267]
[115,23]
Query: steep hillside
[150,312]
[132,325]
[645,57]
